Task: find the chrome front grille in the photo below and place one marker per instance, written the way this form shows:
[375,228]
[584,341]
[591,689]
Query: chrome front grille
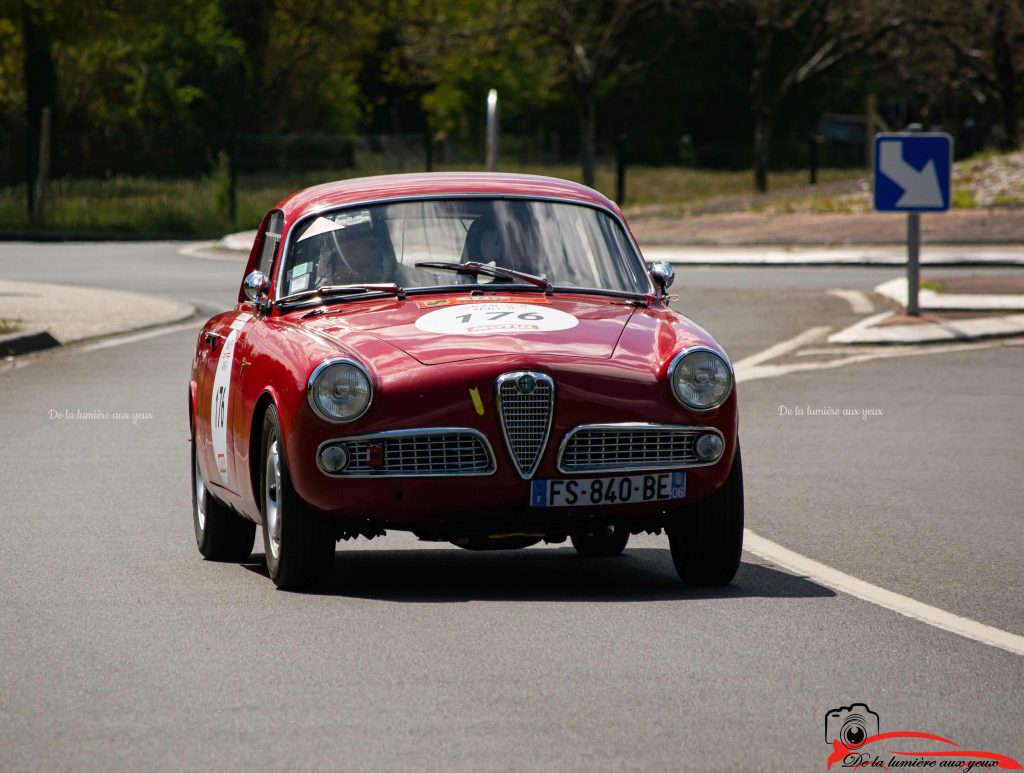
[417,453]
[526,402]
[606,447]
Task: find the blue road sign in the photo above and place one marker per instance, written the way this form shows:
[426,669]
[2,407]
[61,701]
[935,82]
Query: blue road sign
[912,172]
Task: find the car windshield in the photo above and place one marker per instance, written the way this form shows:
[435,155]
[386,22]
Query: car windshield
[574,246]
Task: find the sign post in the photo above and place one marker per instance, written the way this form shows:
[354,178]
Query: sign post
[491,160]
[913,173]
[913,263]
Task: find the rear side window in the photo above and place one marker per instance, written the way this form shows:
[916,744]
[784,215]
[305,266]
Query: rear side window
[270,242]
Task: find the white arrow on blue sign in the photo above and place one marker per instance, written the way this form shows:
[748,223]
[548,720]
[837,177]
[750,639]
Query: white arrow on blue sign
[912,171]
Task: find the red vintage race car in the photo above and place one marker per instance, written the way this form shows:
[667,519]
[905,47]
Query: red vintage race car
[483,359]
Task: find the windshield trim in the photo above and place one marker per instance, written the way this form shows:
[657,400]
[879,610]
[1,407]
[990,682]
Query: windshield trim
[637,255]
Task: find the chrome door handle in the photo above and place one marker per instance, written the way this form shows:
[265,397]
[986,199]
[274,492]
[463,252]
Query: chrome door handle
[213,339]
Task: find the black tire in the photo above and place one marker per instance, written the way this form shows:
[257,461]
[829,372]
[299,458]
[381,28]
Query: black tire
[221,535]
[298,545]
[707,541]
[602,542]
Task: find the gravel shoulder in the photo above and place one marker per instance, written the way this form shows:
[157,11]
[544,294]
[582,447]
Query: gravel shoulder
[75,313]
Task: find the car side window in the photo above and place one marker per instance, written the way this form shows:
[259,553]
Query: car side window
[270,242]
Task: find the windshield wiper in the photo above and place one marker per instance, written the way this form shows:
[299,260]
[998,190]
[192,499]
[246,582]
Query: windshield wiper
[472,268]
[329,291]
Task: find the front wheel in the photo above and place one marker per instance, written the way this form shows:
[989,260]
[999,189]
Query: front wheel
[298,546]
[221,535]
[707,540]
[603,542]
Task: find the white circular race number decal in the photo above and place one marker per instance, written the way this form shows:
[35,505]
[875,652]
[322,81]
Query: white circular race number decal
[470,319]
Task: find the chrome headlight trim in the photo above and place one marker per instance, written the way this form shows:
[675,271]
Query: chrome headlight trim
[679,358]
[319,370]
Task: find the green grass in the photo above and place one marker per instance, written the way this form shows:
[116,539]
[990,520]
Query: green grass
[10,326]
[1002,200]
[963,198]
[195,208]
[979,158]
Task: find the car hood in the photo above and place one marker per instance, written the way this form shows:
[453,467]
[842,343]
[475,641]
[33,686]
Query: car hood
[436,330]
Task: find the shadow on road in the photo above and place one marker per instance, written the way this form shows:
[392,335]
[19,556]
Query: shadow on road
[436,576]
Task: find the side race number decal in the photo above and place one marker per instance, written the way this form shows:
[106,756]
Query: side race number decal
[490,318]
[222,398]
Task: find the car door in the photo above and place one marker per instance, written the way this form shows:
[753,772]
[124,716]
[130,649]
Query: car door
[243,384]
[219,410]
[214,388]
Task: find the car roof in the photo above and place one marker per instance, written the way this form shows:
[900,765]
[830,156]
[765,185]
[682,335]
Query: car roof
[440,184]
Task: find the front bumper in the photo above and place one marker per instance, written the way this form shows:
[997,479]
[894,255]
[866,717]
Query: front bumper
[496,498]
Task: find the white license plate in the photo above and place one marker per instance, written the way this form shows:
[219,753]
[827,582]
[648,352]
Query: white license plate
[592,492]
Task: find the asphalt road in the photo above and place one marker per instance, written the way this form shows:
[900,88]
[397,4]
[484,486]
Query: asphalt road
[120,649]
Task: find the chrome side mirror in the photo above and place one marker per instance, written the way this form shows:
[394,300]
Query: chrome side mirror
[257,290]
[663,275]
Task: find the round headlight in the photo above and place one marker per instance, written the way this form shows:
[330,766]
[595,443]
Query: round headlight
[701,379]
[339,390]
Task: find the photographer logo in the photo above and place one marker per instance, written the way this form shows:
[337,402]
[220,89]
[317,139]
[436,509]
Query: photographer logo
[851,725]
[851,730]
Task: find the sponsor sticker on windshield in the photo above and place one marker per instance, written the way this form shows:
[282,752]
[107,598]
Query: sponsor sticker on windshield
[437,302]
[342,220]
[495,318]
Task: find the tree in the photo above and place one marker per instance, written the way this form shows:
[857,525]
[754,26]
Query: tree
[451,52]
[592,45]
[988,42]
[40,78]
[529,47]
[794,41]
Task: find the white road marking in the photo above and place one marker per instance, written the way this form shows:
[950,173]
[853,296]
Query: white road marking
[904,605]
[779,349]
[131,338]
[819,351]
[774,371]
[833,578]
[859,302]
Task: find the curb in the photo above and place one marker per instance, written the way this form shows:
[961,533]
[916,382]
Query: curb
[949,331]
[26,342]
[212,251]
[15,345]
[765,256]
[929,300]
[237,242]
[958,331]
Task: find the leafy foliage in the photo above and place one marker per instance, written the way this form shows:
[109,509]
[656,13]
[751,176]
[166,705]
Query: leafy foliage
[147,87]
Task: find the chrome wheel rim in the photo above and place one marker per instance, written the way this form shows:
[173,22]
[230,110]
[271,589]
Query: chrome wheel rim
[272,497]
[200,495]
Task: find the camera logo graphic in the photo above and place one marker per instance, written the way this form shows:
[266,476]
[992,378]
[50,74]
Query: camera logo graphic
[850,725]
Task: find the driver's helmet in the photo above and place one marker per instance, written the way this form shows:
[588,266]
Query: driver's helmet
[345,250]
